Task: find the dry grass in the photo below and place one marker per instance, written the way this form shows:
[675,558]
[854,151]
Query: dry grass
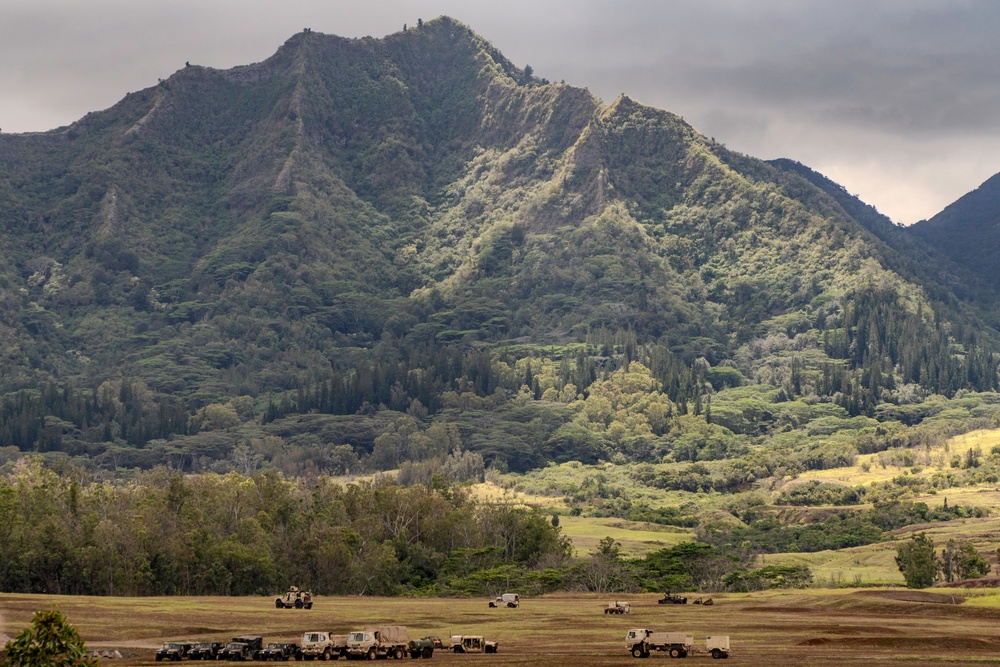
[773,628]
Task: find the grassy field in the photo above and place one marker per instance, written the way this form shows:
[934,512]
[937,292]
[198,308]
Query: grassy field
[816,627]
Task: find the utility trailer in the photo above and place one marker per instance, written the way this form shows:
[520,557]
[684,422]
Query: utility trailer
[717,646]
[641,642]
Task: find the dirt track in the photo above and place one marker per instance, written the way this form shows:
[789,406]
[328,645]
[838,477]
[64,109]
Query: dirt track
[866,627]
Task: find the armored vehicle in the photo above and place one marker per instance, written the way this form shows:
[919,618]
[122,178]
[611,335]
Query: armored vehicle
[670,598]
[473,644]
[294,598]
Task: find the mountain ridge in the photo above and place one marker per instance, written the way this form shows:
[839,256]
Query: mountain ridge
[299,222]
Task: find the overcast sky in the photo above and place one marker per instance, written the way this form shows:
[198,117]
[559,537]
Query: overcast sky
[897,100]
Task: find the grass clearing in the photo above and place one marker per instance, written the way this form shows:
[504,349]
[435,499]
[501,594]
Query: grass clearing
[772,628]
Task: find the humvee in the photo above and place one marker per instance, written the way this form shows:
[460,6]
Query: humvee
[173,651]
[473,644]
[205,651]
[506,600]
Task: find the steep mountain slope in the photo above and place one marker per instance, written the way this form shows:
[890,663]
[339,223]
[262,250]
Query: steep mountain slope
[254,230]
[968,232]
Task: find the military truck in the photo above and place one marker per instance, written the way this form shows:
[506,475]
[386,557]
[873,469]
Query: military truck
[506,600]
[472,644]
[280,651]
[420,648]
[294,598]
[381,642]
[642,642]
[173,651]
[670,598]
[243,648]
[322,645]
[718,646]
[205,651]
[618,607]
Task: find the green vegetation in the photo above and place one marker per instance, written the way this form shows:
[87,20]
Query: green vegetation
[410,257]
[50,642]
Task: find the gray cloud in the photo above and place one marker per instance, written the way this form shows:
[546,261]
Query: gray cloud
[899,100]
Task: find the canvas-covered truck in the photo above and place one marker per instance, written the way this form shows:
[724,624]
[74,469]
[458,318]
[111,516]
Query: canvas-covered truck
[295,597]
[618,607]
[506,600]
[381,642]
[321,645]
[641,642]
[717,646]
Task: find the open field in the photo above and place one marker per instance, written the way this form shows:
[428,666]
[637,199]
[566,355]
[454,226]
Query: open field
[814,627]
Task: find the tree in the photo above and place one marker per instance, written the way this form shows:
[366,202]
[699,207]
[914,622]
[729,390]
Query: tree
[50,642]
[916,560]
[970,564]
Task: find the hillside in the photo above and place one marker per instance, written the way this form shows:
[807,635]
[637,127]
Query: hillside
[968,231]
[293,258]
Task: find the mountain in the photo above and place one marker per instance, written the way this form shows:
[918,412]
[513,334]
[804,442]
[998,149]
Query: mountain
[967,232]
[361,223]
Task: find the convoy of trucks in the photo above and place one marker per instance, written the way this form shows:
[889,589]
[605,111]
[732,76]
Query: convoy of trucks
[391,641]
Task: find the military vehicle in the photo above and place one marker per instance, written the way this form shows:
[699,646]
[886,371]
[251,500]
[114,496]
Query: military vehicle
[421,648]
[243,648]
[173,651]
[670,598]
[506,600]
[381,642]
[205,651]
[294,598]
[642,642]
[472,644]
[279,651]
[718,646]
[618,607]
[322,645]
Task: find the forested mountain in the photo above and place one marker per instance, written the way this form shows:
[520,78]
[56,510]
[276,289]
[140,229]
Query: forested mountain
[362,252]
[968,231]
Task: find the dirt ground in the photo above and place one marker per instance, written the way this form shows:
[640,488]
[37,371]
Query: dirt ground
[773,629]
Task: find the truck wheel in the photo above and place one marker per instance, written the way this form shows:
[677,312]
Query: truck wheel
[675,652]
[427,653]
[459,649]
[371,654]
[277,604]
[493,604]
[309,605]
[298,604]
[683,654]
[716,653]
[637,651]
[511,605]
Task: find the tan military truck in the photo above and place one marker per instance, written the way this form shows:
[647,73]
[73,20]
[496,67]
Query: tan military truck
[381,642]
[472,644]
[618,607]
[506,600]
[642,642]
[322,646]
